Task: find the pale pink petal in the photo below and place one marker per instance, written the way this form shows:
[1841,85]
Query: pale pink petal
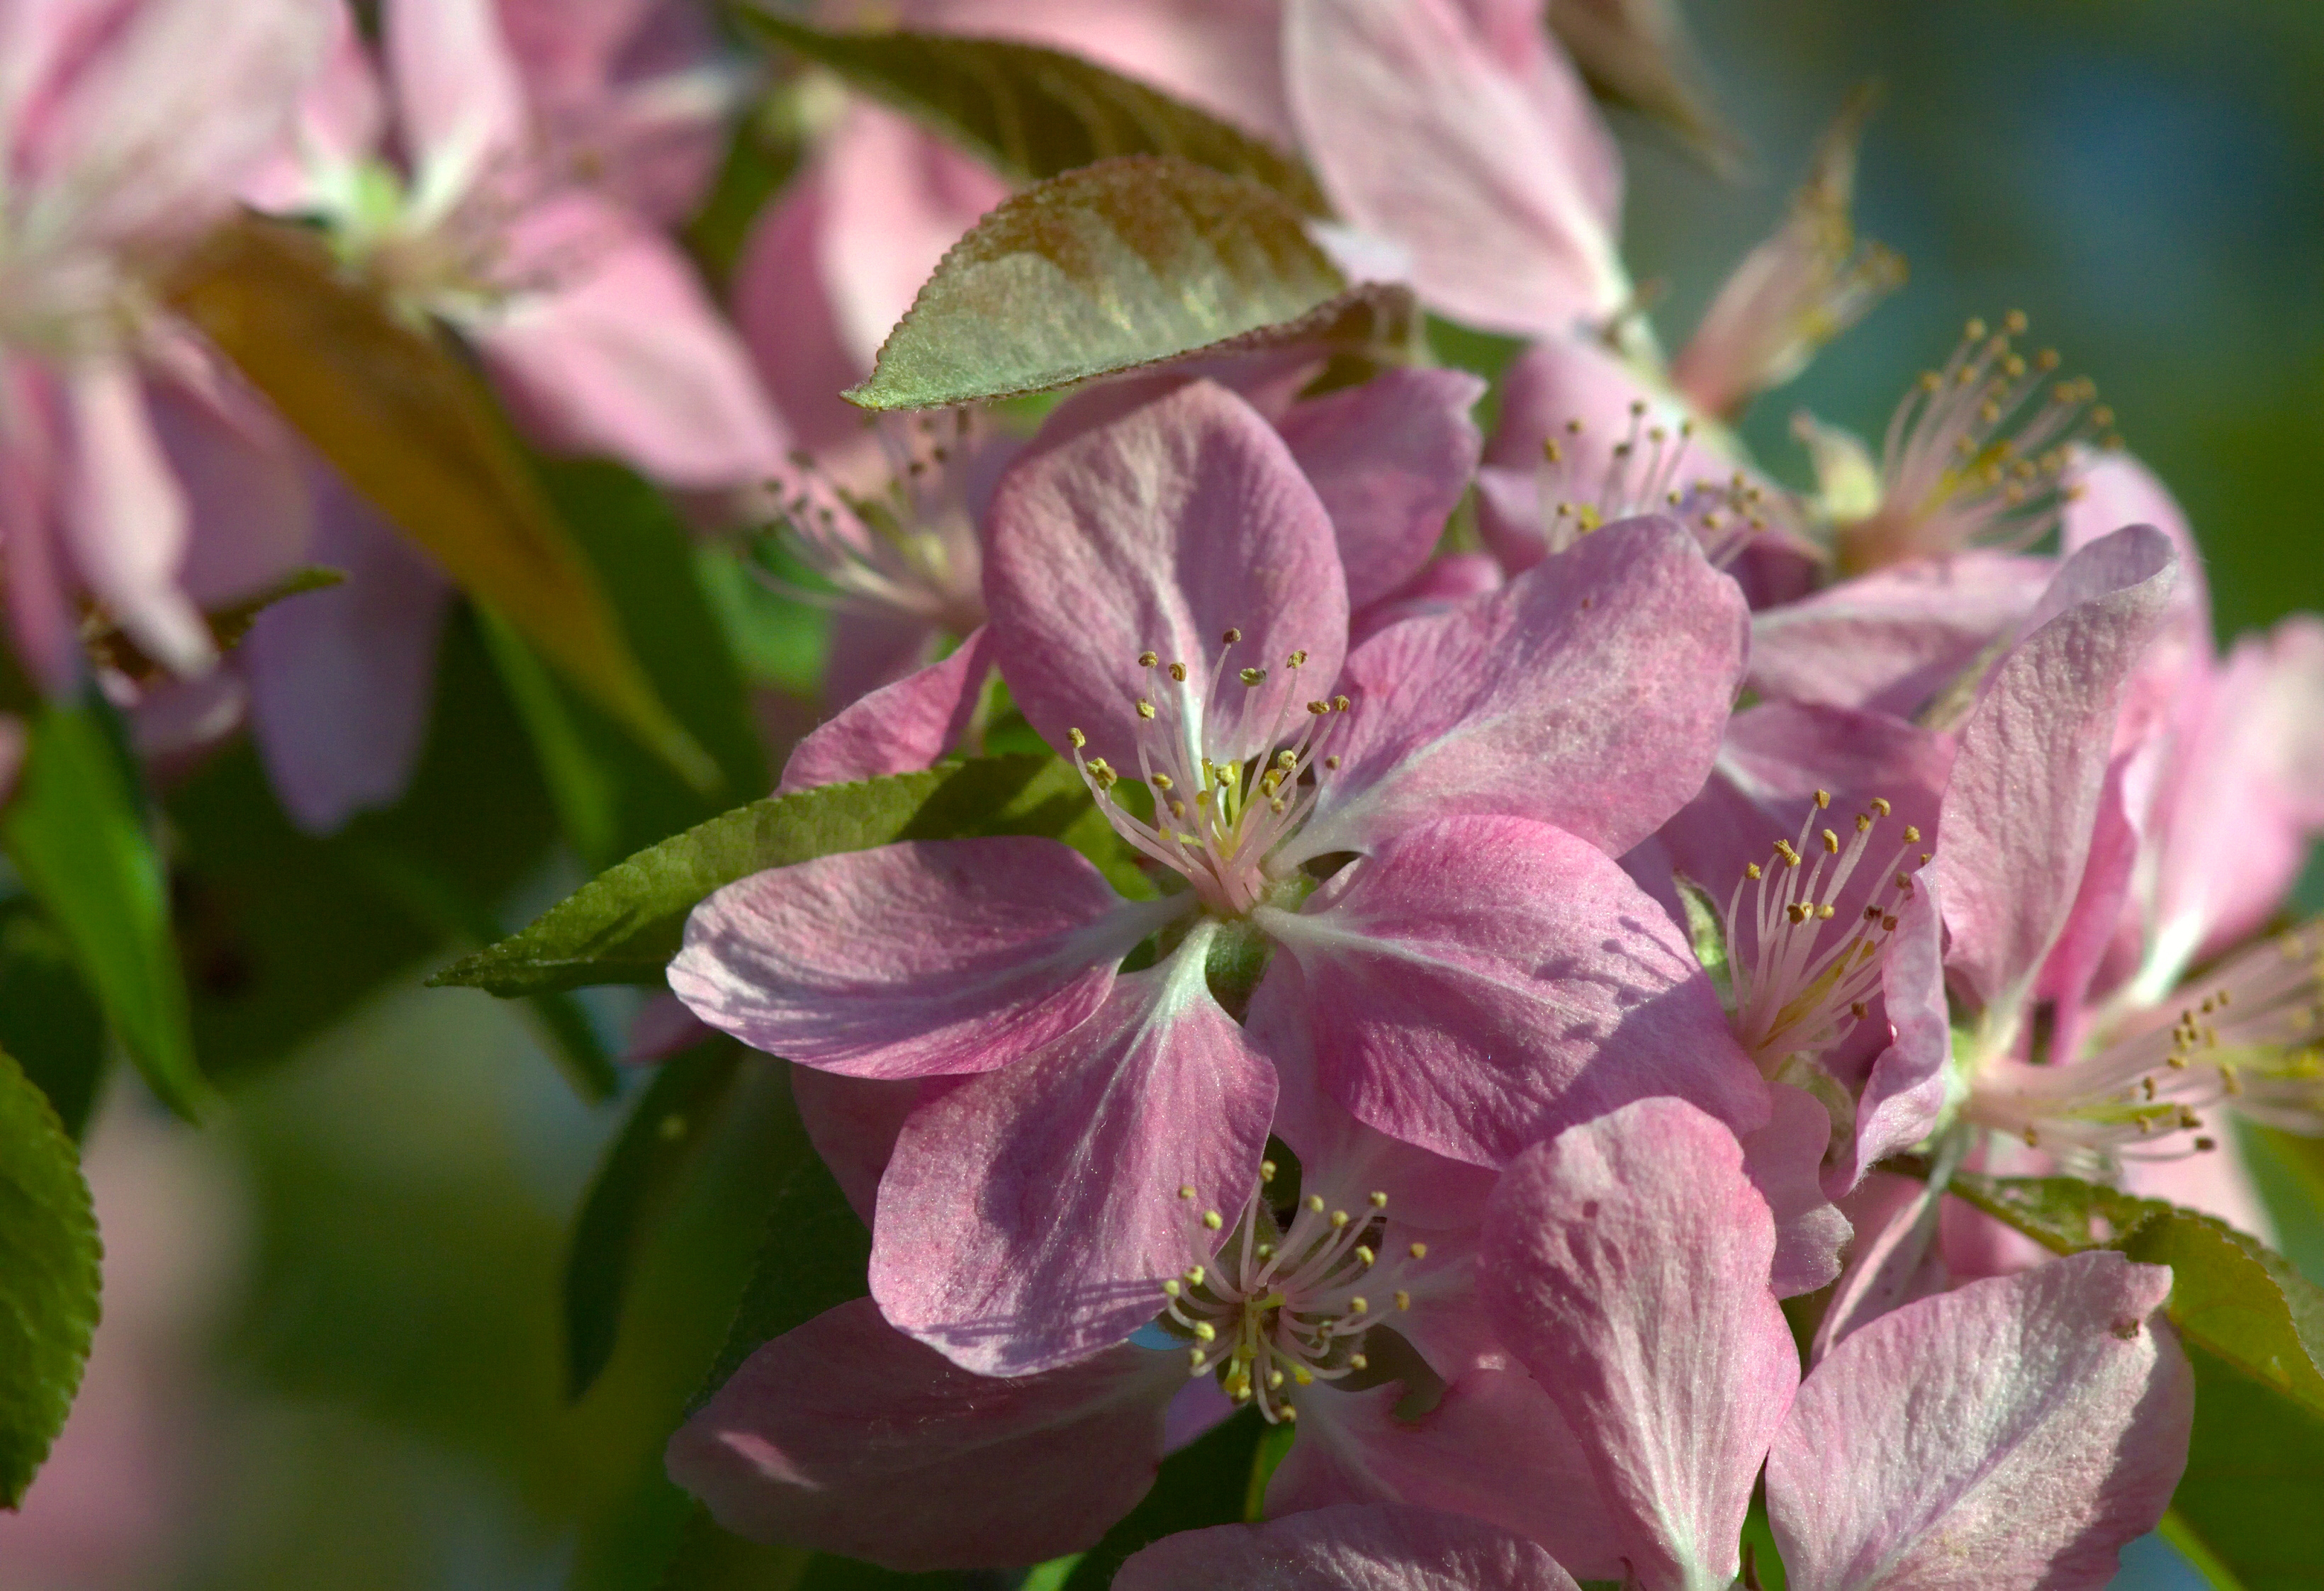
[624,354]
[1349,1548]
[784,310]
[1496,181]
[2219,1183]
[899,728]
[1030,1217]
[1626,1262]
[250,519]
[2113,488]
[1892,640]
[871,648]
[2016,1432]
[927,957]
[44,630]
[1482,982]
[1783,1161]
[1443,582]
[1493,1447]
[459,102]
[341,121]
[2093,927]
[1160,530]
[821,1433]
[1891,1265]
[1904,1095]
[1199,1408]
[124,517]
[895,197]
[164,117]
[853,1123]
[1390,458]
[342,680]
[662,1027]
[2016,827]
[1588,693]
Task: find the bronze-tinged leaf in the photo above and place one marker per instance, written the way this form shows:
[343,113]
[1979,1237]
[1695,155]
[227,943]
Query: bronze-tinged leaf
[412,430]
[1124,263]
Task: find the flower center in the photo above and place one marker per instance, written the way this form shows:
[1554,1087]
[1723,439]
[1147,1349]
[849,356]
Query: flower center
[1216,818]
[1643,476]
[1810,974]
[2248,1036]
[1280,1308]
[1976,455]
[909,546]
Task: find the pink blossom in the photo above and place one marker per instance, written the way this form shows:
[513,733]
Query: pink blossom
[123,128]
[505,223]
[1159,585]
[1275,1307]
[1626,1262]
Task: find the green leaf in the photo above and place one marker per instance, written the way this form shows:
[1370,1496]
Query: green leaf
[709,1559]
[48,1279]
[1202,1483]
[1708,929]
[2230,1294]
[816,1256]
[628,1195]
[49,1020]
[1031,112]
[2247,1503]
[412,430]
[625,924]
[78,833]
[1124,263]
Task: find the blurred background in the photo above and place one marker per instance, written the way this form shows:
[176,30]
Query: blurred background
[331,1355]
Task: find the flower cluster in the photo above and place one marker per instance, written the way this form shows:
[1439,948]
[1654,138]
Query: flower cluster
[1552,883]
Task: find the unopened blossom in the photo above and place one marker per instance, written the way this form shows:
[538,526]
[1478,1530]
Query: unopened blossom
[1978,455]
[1626,1264]
[120,146]
[1323,1308]
[1162,588]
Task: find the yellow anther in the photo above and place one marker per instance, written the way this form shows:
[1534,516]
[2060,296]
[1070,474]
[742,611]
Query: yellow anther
[1419,1251]
[1339,1219]
[1252,677]
[1188,1192]
[1822,799]
[1364,1254]
[1319,708]
[1195,1274]
[1148,659]
[1214,1219]
[1274,1379]
[1178,672]
[1830,844]
[1823,911]
[1357,1362]
[1171,1289]
[1863,823]
[1316,1202]
[1145,708]
[1267,1171]
[1297,659]
[1230,637]
[1783,849]
[1751,870]
[1341,704]
[1204,1331]
[1797,912]
[1403,1299]
[1077,738]
[1331,763]
[1376,1199]
[1358,1306]
[1303,1376]
[1912,834]
[1194,1358]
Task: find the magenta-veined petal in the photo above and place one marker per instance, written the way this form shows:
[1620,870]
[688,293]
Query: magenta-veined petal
[822,1434]
[2015,831]
[1783,1161]
[1030,1217]
[1904,1095]
[125,516]
[1484,981]
[1351,1548]
[1498,181]
[2017,1432]
[1390,459]
[919,958]
[1589,692]
[1160,530]
[899,728]
[1626,1262]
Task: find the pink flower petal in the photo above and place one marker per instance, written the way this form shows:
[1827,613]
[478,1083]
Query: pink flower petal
[1484,981]
[242,472]
[342,680]
[1588,693]
[1493,1448]
[2016,828]
[1348,1549]
[1160,530]
[784,310]
[1892,639]
[912,960]
[1443,582]
[1626,1262]
[1501,183]
[625,356]
[1390,458]
[1030,1217]
[2016,1432]
[1782,1160]
[125,517]
[853,1123]
[459,99]
[1904,1096]
[899,728]
[821,1433]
